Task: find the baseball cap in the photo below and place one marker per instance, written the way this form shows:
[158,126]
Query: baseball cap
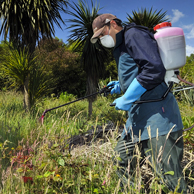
[98,25]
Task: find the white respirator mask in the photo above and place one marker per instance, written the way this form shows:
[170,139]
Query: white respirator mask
[107,41]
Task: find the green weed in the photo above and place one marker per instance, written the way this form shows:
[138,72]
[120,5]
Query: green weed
[36,158]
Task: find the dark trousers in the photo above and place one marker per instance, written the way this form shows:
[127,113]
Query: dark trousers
[165,154]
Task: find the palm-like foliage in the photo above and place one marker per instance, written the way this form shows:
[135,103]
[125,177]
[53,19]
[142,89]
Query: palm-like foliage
[146,17]
[40,83]
[23,71]
[24,21]
[93,55]
[17,65]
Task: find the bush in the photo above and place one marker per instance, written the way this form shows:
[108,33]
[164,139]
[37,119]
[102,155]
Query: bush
[187,73]
[62,65]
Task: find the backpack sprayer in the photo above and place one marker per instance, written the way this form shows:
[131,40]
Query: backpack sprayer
[105,90]
[172,49]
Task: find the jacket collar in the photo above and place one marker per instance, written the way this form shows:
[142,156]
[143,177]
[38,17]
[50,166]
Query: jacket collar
[119,38]
[120,35]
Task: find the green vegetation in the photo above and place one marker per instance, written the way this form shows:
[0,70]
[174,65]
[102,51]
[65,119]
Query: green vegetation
[146,17]
[29,149]
[36,158]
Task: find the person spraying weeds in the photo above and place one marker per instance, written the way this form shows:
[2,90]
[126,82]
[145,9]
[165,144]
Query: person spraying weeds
[153,126]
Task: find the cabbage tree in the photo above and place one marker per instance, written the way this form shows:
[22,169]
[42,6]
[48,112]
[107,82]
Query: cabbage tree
[147,17]
[93,55]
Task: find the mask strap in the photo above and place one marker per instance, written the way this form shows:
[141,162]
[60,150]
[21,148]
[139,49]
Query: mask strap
[109,28]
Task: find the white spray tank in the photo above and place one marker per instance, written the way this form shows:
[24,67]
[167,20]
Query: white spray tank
[172,49]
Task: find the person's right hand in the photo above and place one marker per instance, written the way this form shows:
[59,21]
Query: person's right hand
[116,87]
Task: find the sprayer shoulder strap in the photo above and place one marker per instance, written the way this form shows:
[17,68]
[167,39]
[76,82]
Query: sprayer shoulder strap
[137,27]
[142,28]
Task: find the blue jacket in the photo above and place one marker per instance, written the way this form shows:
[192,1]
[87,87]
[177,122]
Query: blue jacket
[136,54]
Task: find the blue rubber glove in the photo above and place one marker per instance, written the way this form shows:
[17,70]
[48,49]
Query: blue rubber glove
[116,87]
[133,93]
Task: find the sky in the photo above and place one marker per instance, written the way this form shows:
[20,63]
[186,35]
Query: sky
[180,12]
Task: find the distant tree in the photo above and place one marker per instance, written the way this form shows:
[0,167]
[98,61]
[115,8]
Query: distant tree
[24,22]
[187,71]
[17,65]
[93,55]
[4,80]
[22,71]
[190,59]
[27,21]
[63,65]
[146,17]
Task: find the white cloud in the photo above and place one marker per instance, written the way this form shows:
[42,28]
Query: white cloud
[188,27]
[189,50]
[190,31]
[176,15]
[190,34]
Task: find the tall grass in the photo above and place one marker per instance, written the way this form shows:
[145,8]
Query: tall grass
[36,158]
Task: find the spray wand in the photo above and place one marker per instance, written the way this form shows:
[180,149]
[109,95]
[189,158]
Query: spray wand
[105,90]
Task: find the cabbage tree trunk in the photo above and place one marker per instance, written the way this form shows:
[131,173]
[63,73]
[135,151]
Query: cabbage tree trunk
[91,89]
[26,95]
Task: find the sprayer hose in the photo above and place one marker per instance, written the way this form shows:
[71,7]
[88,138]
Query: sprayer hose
[181,79]
[191,127]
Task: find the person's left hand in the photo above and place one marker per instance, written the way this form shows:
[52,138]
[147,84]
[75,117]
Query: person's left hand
[116,87]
